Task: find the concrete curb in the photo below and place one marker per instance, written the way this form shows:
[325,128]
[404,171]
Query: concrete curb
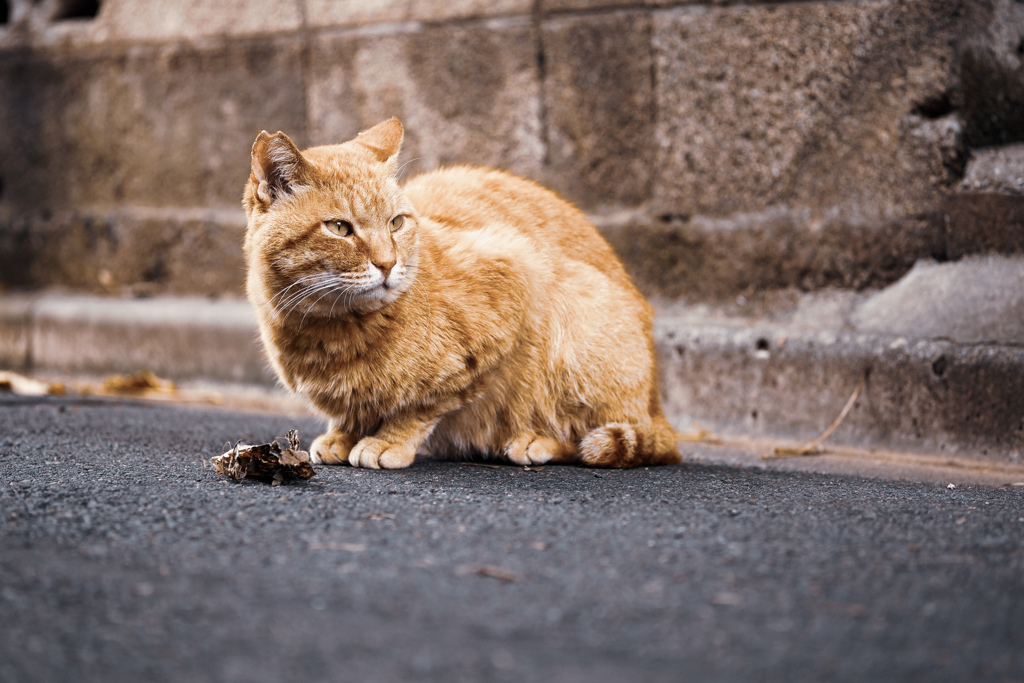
[774,381]
[179,338]
[735,376]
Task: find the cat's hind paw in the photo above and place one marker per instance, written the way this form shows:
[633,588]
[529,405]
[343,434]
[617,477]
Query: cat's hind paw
[618,444]
[332,448]
[379,454]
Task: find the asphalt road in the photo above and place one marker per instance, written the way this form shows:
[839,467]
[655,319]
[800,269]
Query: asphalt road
[122,558]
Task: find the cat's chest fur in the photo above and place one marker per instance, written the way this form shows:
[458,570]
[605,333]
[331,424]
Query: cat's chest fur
[445,340]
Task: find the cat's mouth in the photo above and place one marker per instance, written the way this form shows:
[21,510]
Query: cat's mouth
[385,288]
[379,291]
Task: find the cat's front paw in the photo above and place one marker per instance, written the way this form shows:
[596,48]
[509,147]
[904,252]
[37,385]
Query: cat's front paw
[530,449]
[332,448]
[377,453]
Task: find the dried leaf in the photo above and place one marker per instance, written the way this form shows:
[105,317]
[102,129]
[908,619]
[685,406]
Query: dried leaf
[293,457]
[266,462]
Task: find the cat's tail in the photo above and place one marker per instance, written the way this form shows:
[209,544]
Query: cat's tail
[618,444]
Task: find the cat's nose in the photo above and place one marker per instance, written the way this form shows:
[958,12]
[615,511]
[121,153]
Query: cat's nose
[385,266]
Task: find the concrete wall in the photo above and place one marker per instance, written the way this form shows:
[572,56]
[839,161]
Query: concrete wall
[722,148]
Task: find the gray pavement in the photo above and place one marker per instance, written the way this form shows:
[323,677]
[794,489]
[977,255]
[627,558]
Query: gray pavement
[125,559]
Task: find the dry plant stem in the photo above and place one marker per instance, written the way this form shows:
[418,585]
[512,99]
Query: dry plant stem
[814,447]
[497,573]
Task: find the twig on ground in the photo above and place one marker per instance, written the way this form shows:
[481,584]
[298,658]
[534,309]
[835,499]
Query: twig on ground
[815,447]
[491,572]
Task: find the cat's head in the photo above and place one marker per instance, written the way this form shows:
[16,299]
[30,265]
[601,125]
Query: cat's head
[329,229]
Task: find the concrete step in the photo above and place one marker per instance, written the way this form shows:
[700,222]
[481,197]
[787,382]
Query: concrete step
[174,337]
[938,356]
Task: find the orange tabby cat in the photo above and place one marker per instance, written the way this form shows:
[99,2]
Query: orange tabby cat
[469,312]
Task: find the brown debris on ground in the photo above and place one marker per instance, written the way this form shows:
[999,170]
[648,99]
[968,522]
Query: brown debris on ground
[25,386]
[142,383]
[146,385]
[266,462]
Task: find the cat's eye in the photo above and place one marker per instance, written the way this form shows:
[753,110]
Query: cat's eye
[397,222]
[339,228]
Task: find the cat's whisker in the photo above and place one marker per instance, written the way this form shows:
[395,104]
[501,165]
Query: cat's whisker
[398,174]
[306,292]
[341,293]
[309,283]
[312,291]
[299,281]
[270,302]
[294,298]
[336,288]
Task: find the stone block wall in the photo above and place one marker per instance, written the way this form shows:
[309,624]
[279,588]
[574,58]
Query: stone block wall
[722,148]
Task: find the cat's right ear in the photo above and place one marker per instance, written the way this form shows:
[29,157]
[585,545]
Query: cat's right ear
[383,141]
[277,167]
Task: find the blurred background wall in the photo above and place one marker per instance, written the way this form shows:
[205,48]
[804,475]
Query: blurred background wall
[721,148]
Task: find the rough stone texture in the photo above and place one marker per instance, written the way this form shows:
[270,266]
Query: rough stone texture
[996,169]
[177,338]
[974,301]
[714,258]
[990,96]
[128,252]
[106,153]
[133,20]
[166,127]
[807,104]
[465,94]
[599,108]
[66,23]
[323,13]
[15,332]
[558,6]
[981,222]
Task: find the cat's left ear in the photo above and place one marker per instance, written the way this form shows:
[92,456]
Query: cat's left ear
[277,166]
[384,140]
